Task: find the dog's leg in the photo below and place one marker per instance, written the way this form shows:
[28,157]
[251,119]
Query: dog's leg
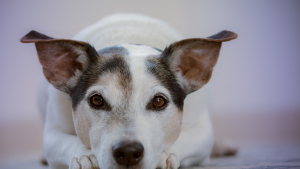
[61,146]
[63,150]
[193,147]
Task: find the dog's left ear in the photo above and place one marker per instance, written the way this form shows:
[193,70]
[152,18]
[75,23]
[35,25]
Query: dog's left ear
[63,60]
[192,60]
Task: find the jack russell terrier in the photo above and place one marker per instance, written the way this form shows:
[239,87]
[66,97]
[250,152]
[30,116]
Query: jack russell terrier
[112,99]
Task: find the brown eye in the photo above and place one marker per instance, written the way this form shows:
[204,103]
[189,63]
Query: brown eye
[158,101]
[96,100]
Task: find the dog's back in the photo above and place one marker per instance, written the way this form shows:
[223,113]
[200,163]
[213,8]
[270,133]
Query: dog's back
[128,28]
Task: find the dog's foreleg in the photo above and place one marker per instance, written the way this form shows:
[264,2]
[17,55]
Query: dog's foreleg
[62,147]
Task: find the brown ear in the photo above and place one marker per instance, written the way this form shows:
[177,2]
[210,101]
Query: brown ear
[192,60]
[63,60]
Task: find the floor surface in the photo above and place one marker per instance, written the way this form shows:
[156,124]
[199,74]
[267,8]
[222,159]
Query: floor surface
[247,158]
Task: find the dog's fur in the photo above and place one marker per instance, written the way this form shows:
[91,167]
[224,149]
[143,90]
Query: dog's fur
[128,67]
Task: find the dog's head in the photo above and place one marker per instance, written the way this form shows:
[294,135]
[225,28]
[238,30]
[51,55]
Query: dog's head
[128,99]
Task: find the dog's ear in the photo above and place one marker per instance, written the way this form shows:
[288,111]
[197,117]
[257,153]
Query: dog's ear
[63,60]
[192,60]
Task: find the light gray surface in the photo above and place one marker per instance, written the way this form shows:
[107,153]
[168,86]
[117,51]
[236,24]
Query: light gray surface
[259,158]
[247,158]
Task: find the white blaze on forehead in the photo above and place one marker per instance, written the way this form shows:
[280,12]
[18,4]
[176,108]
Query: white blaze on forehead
[140,50]
[146,126]
[141,81]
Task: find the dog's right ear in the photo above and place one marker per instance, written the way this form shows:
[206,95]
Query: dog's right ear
[63,60]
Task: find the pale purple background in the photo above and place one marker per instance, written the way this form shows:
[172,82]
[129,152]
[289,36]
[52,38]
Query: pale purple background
[257,74]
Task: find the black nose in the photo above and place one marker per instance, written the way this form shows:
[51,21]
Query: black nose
[128,153]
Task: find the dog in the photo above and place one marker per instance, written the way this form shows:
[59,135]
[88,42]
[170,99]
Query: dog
[124,102]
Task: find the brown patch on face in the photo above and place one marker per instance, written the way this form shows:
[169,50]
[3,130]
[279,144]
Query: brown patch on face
[82,125]
[172,128]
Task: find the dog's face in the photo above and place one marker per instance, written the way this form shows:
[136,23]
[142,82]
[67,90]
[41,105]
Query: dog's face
[128,99]
[124,99]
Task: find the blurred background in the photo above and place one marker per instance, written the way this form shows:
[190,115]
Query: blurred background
[255,87]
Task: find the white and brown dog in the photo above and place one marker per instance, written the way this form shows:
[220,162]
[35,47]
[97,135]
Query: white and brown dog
[120,104]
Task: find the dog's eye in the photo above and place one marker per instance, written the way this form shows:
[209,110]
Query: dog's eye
[96,100]
[158,101]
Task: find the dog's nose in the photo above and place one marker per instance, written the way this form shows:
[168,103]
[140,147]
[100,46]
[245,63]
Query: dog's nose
[128,153]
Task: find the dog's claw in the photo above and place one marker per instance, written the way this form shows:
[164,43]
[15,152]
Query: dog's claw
[84,162]
[168,161]
[169,164]
[75,164]
[94,161]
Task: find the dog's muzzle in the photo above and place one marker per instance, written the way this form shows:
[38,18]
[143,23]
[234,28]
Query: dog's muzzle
[128,153]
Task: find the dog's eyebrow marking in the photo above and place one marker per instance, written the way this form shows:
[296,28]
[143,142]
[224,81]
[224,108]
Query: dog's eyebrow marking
[163,73]
[119,66]
[110,60]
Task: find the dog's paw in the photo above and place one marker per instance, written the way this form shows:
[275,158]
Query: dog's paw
[168,161]
[84,162]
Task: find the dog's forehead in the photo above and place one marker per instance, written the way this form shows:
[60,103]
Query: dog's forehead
[140,50]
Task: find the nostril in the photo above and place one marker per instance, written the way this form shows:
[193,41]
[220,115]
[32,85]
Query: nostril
[119,155]
[128,153]
[137,155]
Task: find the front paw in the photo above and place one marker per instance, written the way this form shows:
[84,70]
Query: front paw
[84,162]
[168,161]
